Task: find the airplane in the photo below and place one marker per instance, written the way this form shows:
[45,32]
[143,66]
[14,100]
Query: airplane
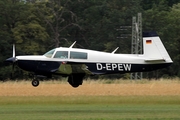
[76,63]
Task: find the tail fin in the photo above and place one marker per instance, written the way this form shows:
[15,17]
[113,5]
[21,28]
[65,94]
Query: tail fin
[154,49]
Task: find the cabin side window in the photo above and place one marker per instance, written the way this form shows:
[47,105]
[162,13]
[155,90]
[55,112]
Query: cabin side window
[61,54]
[78,55]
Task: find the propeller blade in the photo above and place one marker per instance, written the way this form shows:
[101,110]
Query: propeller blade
[13,58]
[14,54]
[12,74]
[13,61]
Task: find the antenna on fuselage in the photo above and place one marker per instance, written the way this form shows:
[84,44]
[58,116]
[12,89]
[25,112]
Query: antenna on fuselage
[115,50]
[72,44]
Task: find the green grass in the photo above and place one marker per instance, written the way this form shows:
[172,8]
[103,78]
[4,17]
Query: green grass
[90,108]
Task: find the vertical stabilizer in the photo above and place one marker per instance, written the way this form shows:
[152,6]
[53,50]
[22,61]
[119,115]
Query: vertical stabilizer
[154,49]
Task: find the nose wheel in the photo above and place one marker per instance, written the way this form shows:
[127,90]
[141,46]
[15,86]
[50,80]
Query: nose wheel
[35,83]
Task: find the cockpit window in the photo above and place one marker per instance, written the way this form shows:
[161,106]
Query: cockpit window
[50,53]
[78,55]
[61,54]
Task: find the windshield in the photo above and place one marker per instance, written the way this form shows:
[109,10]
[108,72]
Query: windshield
[50,53]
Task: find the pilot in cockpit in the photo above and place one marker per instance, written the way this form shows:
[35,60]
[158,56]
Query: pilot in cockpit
[61,54]
[64,55]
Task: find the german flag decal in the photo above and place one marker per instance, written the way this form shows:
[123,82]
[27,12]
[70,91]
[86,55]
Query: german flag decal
[148,41]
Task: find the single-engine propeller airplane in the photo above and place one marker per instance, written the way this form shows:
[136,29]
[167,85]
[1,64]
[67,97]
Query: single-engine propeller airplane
[76,63]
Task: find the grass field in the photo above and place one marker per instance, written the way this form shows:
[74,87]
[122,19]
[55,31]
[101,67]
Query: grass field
[127,100]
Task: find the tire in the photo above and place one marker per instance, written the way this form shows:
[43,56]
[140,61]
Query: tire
[35,83]
[72,82]
[75,85]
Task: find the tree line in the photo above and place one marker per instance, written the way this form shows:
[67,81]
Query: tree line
[36,26]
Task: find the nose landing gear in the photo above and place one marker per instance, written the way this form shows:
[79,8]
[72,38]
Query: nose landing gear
[35,82]
[36,79]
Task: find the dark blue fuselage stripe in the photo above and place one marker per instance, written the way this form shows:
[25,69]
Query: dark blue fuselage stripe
[50,67]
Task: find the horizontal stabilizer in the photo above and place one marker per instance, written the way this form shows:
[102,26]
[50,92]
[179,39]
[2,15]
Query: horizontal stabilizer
[153,60]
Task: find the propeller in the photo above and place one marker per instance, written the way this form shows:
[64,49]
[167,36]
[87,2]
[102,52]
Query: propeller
[12,60]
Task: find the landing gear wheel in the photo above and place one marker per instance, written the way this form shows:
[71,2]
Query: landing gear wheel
[75,80]
[75,85]
[35,83]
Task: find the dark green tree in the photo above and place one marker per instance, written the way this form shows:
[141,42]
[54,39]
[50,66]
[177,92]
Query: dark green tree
[30,33]
[58,18]
[148,4]
[172,38]
[11,12]
[100,20]
[20,26]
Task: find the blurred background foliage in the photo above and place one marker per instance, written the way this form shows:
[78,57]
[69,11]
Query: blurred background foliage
[36,26]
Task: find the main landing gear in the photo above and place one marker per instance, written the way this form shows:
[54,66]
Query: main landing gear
[75,80]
